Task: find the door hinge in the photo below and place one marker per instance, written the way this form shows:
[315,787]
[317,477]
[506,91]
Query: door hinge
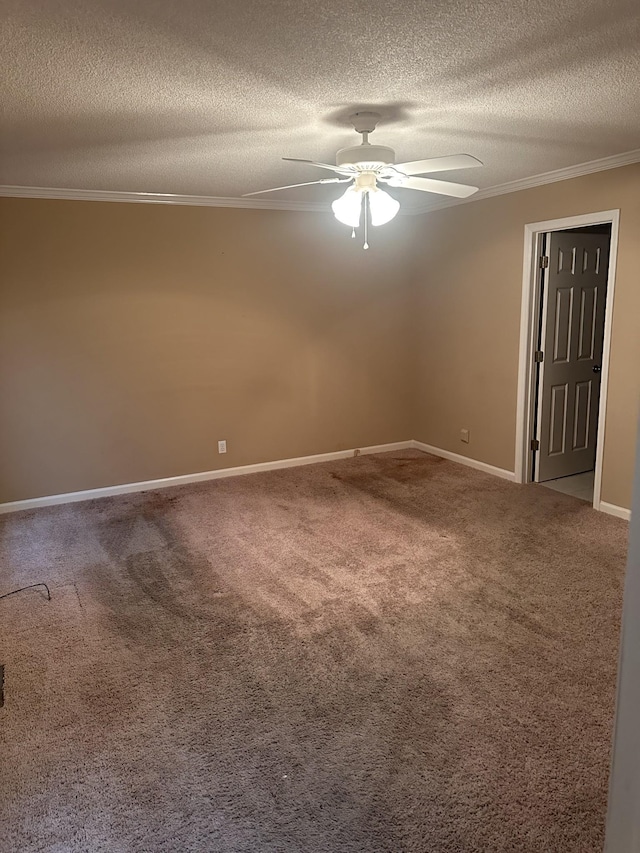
[535,444]
[538,356]
[544,262]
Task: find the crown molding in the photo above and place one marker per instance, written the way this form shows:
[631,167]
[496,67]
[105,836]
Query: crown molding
[625,159]
[617,160]
[159,198]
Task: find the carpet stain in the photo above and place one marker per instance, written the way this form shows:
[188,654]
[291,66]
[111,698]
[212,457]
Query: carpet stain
[390,654]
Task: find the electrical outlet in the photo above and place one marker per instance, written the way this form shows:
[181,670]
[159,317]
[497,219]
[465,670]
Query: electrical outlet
[464,436]
[222,447]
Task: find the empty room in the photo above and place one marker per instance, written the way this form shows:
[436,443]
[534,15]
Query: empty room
[319,396]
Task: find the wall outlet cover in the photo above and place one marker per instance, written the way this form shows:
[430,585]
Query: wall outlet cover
[222,447]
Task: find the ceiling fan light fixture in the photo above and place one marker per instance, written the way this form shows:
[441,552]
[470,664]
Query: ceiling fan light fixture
[348,208]
[382,206]
[364,167]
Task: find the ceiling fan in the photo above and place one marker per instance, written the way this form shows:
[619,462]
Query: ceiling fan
[367,168]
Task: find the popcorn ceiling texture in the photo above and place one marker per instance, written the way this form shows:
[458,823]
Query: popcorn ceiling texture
[205,98]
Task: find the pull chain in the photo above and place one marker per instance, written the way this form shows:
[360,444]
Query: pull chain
[366,221]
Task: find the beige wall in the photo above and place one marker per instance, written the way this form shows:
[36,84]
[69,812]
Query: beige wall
[468,284]
[134,336]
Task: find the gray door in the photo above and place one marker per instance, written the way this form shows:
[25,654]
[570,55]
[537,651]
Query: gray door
[571,334]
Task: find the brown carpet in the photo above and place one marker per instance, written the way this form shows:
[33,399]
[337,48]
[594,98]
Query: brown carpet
[389,653]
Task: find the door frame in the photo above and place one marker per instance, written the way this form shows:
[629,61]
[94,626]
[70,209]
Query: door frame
[530,307]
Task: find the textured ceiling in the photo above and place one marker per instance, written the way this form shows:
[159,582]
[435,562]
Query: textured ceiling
[204,96]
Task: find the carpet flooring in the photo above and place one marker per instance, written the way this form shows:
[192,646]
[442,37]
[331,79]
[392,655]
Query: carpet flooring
[387,653]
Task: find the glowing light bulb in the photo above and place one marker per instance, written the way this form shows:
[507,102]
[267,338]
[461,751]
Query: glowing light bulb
[347,208]
[382,206]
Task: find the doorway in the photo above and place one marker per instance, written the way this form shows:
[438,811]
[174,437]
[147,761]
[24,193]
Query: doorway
[564,353]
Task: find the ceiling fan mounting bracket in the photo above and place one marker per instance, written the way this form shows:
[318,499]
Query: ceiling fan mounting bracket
[365,121]
[365,157]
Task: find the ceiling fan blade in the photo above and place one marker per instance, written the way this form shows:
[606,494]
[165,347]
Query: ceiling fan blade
[438,164]
[429,185]
[305,184]
[341,170]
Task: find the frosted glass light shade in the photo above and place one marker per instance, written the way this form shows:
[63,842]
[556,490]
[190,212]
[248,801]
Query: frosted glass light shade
[382,206]
[348,207]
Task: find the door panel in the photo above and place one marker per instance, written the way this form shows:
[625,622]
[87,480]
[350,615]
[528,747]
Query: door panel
[581,418]
[587,333]
[558,420]
[572,329]
[562,326]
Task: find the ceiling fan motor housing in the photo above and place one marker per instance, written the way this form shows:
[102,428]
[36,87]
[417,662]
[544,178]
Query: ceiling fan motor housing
[366,157]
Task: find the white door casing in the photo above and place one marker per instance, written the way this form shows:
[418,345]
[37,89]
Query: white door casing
[573,310]
[529,323]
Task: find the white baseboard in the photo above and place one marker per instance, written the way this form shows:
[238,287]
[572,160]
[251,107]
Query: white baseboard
[185,479]
[612,509]
[465,460]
